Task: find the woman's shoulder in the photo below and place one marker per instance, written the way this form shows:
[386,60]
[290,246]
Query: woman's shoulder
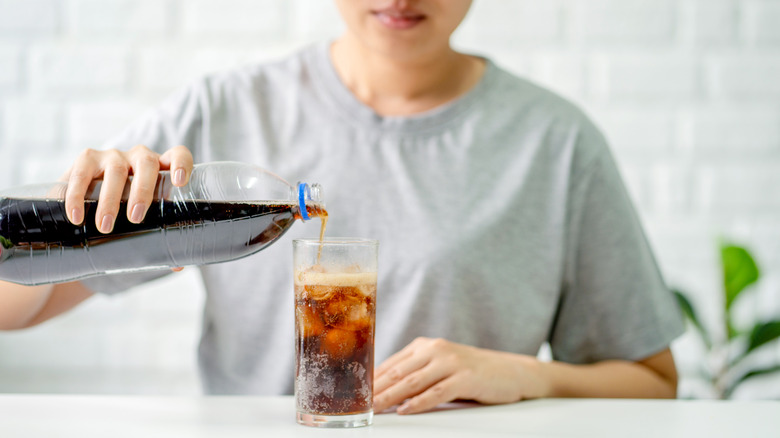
[526,97]
[272,73]
[531,106]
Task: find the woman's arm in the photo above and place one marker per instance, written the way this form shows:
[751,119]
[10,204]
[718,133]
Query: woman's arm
[26,306]
[653,377]
[432,371]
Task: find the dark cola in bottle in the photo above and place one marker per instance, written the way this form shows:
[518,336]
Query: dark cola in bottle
[227,211]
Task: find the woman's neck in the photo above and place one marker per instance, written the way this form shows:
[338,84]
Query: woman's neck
[400,87]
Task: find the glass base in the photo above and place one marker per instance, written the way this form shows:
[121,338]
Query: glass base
[335,421]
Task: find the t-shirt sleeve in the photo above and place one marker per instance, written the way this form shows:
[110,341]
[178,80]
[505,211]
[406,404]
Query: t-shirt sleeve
[176,121]
[614,302]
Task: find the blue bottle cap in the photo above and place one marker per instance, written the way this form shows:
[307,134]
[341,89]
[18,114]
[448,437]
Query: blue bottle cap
[303,194]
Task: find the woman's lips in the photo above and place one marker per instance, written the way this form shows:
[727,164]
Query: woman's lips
[396,19]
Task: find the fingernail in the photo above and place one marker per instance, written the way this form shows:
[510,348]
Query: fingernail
[403,409]
[105,224]
[178,177]
[137,214]
[77,216]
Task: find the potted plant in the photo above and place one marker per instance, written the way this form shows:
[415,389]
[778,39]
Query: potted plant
[728,349]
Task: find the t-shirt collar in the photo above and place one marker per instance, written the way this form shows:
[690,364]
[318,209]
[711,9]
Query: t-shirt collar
[343,101]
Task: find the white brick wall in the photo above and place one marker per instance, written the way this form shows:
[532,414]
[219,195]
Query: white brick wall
[30,126]
[622,22]
[91,123]
[644,77]
[313,19]
[687,92]
[734,131]
[739,77]
[513,22]
[236,18]
[762,17]
[709,22]
[119,18]
[76,70]
[25,18]
[10,67]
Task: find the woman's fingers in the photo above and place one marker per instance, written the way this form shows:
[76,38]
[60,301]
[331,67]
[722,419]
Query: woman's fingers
[400,356]
[115,172]
[179,161]
[442,392]
[414,383]
[392,361]
[80,176]
[428,372]
[115,166]
[146,169]
[411,371]
[399,370]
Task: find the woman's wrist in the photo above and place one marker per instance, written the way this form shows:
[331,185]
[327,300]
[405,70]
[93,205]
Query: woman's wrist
[652,377]
[534,378]
[19,304]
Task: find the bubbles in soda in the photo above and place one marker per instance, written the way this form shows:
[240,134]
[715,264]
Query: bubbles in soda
[334,341]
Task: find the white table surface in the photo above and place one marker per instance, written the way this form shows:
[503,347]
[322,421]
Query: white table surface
[135,416]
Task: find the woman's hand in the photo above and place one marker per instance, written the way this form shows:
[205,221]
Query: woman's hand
[114,166]
[428,372]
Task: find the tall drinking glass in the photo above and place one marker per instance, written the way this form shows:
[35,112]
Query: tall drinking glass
[335,298]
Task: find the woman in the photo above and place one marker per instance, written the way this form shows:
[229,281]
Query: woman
[503,220]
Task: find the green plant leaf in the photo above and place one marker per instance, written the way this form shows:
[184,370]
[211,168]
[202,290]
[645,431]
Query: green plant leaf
[732,331]
[690,313]
[739,271]
[762,333]
[749,375]
[6,243]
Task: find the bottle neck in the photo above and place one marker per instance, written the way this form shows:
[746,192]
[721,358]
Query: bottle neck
[310,201]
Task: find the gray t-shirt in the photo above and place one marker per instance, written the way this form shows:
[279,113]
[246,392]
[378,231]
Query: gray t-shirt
[502,220]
